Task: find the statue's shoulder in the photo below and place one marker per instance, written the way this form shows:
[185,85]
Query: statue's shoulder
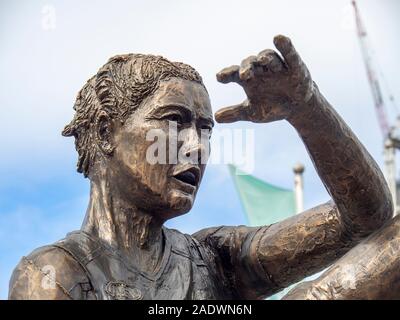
[209,239]
[222,234]
[187,245]
[48,273]
[177,239]
[227,240]
[205,235]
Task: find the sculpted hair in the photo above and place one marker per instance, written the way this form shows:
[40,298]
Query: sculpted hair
[117,89]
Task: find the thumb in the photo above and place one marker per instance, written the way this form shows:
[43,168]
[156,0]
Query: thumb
[233,113]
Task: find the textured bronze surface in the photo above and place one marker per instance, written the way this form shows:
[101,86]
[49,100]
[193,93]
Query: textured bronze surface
[123,251]
[368,271]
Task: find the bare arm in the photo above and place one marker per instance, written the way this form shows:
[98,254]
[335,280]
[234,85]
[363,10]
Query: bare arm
[349,173]
[280,89]
[371,270]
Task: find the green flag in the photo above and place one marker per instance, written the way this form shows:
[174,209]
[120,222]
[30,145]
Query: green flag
[263,203]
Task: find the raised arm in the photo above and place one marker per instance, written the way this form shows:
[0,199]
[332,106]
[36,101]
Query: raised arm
[278,88]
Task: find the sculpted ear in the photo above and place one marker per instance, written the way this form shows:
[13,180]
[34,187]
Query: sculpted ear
[104,131]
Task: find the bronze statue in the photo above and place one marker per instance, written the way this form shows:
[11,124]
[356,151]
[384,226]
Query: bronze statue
[371,271]
[123,251]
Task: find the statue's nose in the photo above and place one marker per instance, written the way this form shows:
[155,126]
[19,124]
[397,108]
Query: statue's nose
[194,148]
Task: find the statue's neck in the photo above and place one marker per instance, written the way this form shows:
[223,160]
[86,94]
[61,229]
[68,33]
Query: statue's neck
[131,231]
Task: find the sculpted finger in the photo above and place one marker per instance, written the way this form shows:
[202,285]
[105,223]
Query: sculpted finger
[288,51]
[247,66]
[233,113]
[229,74]
[269,60]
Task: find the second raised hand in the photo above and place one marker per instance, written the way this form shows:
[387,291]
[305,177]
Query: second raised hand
[276,87]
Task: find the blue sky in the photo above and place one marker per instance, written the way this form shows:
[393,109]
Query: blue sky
[45,61]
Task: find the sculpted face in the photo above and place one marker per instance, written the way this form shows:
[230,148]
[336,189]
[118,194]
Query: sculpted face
[179,112]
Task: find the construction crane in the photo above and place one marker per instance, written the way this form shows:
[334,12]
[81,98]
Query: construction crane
[390,134]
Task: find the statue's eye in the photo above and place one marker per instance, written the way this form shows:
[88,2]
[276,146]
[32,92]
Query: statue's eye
[174,118]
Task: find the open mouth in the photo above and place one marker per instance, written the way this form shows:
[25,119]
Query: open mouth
[190,176]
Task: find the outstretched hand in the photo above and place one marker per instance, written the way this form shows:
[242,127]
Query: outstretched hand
[276,87]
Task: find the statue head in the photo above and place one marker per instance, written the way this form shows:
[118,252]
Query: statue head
[130,96]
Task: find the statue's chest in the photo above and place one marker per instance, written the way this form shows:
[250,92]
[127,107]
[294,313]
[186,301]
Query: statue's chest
[187,270]
[179,276]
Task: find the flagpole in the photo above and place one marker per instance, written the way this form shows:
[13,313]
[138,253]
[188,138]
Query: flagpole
[298,170]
